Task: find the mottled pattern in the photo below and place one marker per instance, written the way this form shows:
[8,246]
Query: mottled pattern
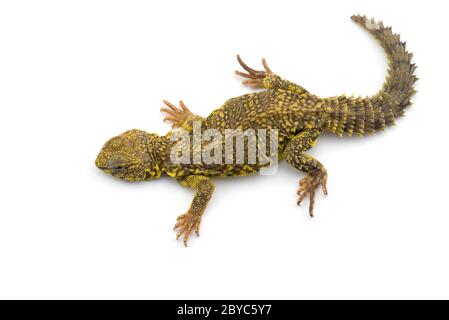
[298,116]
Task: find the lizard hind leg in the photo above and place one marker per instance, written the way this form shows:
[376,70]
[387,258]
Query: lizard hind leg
[254,78]
[316,173]
[309,184]
[267,79]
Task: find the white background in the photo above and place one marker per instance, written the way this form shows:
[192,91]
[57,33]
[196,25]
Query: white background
[75,73]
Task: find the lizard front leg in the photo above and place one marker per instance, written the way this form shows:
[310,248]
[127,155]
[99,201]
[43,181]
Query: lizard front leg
[316,173]
[266,79]
[190,221]
[180,117]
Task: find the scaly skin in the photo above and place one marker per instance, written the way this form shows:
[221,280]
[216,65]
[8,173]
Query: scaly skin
[298,116]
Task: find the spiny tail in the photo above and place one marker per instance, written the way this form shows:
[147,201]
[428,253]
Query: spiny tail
[351,115]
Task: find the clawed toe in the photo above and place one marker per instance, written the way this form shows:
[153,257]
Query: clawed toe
[308,185]
[254,78]
[186,223]
[175,115]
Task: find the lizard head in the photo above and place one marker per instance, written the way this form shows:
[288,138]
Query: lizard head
[132,155]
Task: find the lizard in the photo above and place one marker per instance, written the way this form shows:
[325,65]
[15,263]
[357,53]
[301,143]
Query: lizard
[299,117]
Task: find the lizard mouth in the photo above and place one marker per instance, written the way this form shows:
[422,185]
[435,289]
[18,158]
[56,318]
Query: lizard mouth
[113,169]
[113,165]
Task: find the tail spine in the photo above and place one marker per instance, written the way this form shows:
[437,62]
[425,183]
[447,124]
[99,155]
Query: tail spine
[357,115]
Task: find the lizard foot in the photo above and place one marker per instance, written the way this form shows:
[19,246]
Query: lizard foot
[254,78]
[308,185]
[176,115]
[185,224]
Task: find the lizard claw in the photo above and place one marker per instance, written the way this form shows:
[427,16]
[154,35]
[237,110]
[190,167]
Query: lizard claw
[186,223]
[176,115]
[254,78]
[308,185]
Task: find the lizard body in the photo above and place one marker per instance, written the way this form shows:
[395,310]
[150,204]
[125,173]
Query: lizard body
[297,116]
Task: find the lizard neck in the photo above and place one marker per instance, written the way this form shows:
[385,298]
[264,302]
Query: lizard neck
[157,150]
